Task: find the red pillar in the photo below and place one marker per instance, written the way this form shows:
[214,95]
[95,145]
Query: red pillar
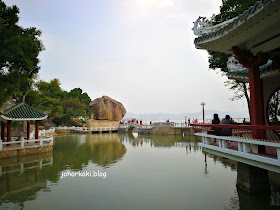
[37,130]
[9,131]
[2,130]
[28,130]
[203,114]
[248,60]
[256,100]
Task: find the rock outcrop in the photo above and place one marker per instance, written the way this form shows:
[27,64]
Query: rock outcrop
[106,108]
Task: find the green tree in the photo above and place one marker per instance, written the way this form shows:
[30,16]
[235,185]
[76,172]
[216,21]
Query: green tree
[60,105]
[83,97]
[218,60]
[19,50]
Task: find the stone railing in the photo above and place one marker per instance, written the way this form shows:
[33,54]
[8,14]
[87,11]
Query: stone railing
[239,142]
[23,143]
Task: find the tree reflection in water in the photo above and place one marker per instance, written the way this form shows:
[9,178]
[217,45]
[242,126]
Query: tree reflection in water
[77,152]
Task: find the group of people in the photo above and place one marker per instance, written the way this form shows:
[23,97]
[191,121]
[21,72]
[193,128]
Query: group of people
[221,131]
[134,121]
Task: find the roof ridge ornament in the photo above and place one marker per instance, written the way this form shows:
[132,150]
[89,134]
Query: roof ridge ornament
[204,25]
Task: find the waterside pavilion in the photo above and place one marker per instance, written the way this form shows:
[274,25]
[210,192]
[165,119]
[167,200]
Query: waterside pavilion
[253,38]
[13,146]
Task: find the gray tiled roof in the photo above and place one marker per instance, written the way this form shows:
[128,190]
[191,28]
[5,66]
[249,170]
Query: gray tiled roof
[243,74]
[22,111]
[238,21]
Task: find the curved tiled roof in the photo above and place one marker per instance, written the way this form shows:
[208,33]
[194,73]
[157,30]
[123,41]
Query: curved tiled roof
[265,70]
[237,22]
[22,112]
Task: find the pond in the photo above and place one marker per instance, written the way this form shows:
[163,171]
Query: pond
[114,171]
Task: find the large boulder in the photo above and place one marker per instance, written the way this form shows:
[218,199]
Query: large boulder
[106,108]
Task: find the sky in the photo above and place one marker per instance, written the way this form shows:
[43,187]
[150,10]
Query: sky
[138,52]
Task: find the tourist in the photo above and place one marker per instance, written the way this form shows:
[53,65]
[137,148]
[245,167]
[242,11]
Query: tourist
[227,131]
[196,121]
[244,121]
[216,120]
[189,121]
[150,122]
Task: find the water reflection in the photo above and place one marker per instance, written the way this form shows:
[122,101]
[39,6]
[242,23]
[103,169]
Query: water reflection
[188,142]
[245,200]
[80,150]
[105,149]
[20,178]
[153,168]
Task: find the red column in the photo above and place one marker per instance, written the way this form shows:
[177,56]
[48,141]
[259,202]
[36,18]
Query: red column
[203,114]
[28,130]
[256,100]
[2,130]
[37,130]
[248,60]
[9,131]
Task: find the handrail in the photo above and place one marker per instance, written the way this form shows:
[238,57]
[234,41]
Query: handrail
[253,132]
[42,141]
[251,127]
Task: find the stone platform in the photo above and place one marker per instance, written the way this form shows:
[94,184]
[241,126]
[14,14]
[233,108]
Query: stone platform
[13,152]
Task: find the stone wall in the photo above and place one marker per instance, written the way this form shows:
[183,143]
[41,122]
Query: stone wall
[6,153]
[101,123]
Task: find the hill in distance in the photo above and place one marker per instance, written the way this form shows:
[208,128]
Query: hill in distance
[164,116]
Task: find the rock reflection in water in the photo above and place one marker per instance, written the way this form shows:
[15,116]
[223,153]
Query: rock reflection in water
[105,149]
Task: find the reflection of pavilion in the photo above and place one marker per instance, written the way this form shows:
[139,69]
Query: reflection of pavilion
[22,145]
[20,177]
[253,38]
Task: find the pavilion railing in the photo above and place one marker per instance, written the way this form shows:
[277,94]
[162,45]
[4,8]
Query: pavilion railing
[23,143]
[251,132]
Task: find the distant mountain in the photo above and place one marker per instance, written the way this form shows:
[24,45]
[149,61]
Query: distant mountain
[163,116]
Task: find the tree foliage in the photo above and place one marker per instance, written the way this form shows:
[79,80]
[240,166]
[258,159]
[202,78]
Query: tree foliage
[60,105]
[19,50]
[228,10]
[231,9]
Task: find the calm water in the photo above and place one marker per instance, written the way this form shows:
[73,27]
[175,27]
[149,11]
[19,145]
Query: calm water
[144,172]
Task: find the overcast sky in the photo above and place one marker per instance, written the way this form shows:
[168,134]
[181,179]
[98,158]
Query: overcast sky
[139,52]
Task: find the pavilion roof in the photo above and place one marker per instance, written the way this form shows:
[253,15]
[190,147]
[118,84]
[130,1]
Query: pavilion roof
[263,16]
[265,71]
[22,112]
